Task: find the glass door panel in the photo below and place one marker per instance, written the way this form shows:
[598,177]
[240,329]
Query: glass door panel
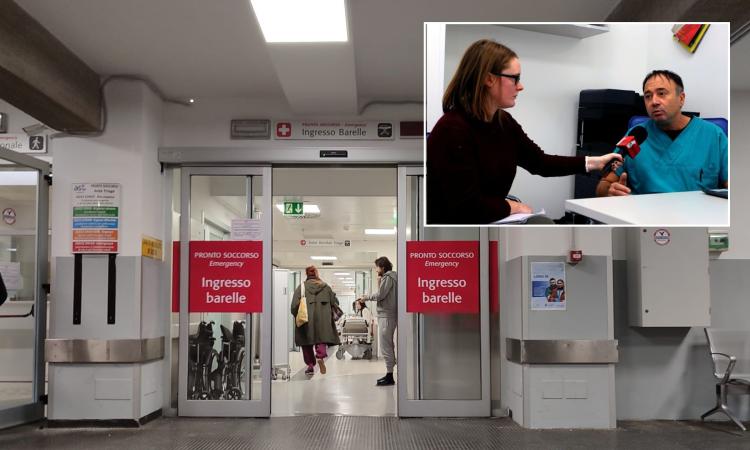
[442,358]
[225,369]
[24,238]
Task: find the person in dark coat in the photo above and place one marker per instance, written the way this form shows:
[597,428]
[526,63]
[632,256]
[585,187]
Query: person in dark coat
[3,291]
[320,330]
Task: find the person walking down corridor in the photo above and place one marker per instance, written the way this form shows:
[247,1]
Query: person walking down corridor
[320,330]
[386,299]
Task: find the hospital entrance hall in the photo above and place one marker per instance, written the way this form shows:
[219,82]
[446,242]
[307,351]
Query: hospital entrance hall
[348,220]
[350,224]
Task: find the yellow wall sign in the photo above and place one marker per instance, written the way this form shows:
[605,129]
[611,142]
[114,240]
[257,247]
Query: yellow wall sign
[152,248]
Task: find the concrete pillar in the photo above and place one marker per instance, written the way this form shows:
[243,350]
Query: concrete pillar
[126,154]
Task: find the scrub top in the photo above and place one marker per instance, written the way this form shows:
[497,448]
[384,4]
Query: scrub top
[696,160]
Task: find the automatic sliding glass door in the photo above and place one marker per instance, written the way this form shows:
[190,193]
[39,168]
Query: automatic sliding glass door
[443,335]
[225,293]
[24,237]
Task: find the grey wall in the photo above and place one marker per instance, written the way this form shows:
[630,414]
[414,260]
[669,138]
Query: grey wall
[666,373]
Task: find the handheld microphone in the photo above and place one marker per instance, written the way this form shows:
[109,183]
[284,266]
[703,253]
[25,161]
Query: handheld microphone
[628,146]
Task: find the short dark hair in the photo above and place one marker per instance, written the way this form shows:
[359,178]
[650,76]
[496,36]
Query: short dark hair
[384,264]
[668,75]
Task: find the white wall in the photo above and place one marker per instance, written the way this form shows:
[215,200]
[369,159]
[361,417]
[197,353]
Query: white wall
[556,68]
[704,73]
[530,241]
[739,156]
[125,154]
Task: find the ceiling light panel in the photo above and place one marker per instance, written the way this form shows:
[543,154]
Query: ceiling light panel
[301,20]
[380,231]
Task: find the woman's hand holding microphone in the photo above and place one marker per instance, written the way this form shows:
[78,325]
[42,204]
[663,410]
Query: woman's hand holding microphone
[598,162]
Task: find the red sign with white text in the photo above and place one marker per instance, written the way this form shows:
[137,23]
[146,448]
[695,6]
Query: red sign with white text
[494,280]
[176,276]
[226,276]
[442,277]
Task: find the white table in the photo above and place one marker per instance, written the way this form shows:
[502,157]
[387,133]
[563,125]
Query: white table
[693,208]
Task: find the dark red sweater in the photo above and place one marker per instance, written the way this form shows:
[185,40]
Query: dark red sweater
[471,165]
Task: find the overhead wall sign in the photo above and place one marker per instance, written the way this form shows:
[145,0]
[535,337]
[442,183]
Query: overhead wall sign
[325,243]
[24,143]
[96,217]
[333,130]
[442,277]
[226,276]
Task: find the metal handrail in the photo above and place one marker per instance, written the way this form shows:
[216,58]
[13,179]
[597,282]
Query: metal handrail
[18,316]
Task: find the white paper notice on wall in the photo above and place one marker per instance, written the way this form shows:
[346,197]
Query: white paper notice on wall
[246,230]
[11,272]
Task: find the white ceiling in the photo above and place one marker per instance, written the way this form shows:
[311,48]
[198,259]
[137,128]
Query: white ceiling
[201,48]
[215,49]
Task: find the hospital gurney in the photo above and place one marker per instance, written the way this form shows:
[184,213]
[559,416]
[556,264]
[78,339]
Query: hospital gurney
[355,339]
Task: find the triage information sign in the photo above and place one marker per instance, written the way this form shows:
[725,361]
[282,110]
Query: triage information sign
[96,217]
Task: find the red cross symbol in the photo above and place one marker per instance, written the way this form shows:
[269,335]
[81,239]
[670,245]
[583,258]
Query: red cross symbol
[283,129]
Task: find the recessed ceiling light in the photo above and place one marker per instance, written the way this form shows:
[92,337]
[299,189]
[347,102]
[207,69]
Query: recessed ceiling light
[342,273]
[301,20]
[380,231]
[324,258]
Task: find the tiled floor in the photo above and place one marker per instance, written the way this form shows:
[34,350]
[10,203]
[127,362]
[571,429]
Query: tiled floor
[347,388]
[330,432]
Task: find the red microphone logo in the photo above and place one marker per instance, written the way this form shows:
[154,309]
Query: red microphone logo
[630,145]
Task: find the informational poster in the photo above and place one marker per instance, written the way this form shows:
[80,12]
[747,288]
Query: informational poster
[548,286]
[247,230]
[226,276]
[96,217]
[442,277]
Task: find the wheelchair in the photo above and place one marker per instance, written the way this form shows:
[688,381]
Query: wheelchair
[201,360]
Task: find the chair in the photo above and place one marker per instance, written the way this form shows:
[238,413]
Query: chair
[718,121]
[730,352]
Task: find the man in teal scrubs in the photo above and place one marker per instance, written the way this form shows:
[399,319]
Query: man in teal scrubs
[680,153]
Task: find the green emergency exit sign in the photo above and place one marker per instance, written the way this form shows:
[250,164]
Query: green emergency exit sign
[293,209]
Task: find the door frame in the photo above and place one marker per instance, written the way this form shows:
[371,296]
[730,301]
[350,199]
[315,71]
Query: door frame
[227,408]
[439,408]
[34,410]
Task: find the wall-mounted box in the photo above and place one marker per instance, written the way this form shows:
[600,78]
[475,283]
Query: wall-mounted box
[668,280]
